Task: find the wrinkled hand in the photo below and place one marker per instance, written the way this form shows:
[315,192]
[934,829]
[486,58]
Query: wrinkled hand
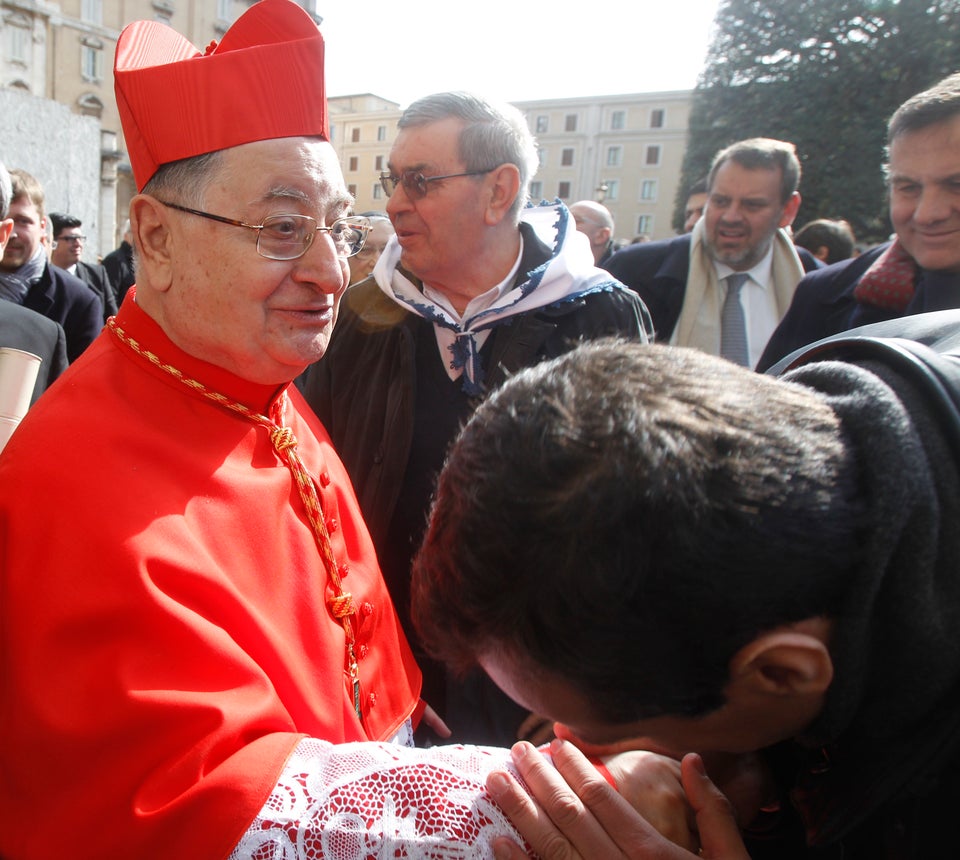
[571,813]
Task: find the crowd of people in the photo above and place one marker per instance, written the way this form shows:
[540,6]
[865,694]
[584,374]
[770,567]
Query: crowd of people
[457,529]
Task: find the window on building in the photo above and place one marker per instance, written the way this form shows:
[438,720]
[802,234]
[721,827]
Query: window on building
[381,132]
[648,189]
[378,164]
[16,38]
[91,60]
[570,123]
[563,191]
[618,120]
[613,189]
[645,225]
[377,191]
[536,191]
[163,11]
[653,155]
[91,11]
[224,12]
[614,156]
[566,157]
[355,135]
[541,156]
[352,190]
[543,124]
[656,118]
[354,164]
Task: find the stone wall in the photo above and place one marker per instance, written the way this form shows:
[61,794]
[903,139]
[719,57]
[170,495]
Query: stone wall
[62,150]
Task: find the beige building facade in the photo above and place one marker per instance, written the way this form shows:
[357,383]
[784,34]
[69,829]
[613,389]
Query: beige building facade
[623,150]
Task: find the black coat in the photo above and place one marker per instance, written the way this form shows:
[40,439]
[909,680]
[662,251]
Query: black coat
[824,305]
[657,272]
[21,328]
[67,300]
[96,277]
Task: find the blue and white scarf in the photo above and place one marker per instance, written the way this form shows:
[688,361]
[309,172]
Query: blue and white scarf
[568,274]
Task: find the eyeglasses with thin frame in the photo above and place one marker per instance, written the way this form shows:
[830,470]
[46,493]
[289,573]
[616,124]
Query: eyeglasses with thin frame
[415,183]
[287,237]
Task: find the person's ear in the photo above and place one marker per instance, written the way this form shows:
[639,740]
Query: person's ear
[503,186]
[790,210]
[786,662]
[6,228]
[152,238]
[822,253]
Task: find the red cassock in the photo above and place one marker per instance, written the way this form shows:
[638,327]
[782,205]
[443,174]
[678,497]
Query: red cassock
[165,632]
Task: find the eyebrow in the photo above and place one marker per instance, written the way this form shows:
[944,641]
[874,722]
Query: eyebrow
[340,202]
[416,168]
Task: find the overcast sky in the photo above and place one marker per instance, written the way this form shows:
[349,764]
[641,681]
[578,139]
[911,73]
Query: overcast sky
[514,50]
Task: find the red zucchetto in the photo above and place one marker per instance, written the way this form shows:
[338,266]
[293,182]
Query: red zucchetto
[263,80]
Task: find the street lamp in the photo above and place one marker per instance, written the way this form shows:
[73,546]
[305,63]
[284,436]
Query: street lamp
[602,189]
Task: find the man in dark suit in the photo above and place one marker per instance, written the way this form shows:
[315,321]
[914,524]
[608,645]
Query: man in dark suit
[28,279]
[68,242]
[739,248]
[919,270]
[120,267]
[24,329]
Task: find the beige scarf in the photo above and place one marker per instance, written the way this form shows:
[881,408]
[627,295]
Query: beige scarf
[699,323]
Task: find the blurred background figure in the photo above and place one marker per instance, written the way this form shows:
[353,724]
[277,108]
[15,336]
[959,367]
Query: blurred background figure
[119,265]
[362,263]
[596,223]
[830,241]
[696,200]
[66,252]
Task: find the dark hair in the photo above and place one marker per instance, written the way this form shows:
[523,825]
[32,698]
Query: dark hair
[765,153]
[935,105]
[629,516]
[63,222]
[835,236]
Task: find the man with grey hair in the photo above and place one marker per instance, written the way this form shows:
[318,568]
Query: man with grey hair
[723,287]
[22,328]
[473,287]
[919,270]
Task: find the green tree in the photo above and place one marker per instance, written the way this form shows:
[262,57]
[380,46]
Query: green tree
[825,75]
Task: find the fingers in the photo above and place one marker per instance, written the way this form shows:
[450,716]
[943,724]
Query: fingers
[530,820]
[720,837]
[435,722]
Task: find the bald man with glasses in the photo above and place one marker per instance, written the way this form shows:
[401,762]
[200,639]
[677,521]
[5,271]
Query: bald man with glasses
[474,285]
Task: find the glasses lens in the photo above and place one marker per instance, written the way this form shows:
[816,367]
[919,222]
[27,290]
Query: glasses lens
[349,234]
[389,183]
[285,237]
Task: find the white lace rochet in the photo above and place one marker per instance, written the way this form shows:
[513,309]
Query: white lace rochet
[378,800]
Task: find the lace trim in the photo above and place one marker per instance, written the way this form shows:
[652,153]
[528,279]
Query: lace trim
[369,800]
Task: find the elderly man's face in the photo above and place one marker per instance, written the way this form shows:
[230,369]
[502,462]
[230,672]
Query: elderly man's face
[743,213]
[264,320]
[446,226]
[27,233]
[925,194]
